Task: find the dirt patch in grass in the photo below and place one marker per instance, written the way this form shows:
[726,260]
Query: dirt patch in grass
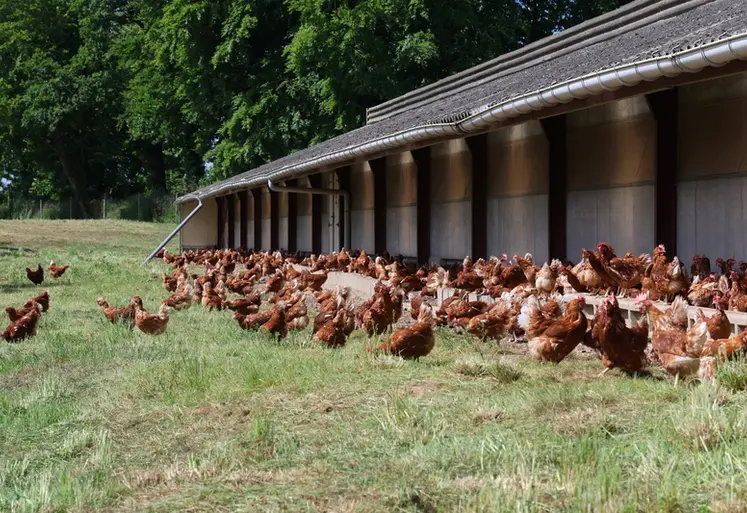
[423,388]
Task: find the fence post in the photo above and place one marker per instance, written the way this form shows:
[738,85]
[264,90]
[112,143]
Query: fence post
[41,207]
[103,209]
[70,207]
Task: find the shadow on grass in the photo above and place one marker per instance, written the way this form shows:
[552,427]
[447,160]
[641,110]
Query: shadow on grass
[16,287]
[8,250]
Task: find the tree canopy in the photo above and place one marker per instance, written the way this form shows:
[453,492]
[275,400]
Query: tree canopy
[112,97]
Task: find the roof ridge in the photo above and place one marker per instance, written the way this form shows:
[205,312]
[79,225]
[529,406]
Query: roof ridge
[626,18]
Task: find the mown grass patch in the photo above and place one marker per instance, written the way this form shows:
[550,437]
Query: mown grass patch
[209,417]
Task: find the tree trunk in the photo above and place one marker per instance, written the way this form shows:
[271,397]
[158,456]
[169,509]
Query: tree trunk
[59,148]
[151,155]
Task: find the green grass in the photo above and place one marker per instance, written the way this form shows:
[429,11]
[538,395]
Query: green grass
[208,417]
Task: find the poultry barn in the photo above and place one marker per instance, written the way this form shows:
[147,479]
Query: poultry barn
[628,128]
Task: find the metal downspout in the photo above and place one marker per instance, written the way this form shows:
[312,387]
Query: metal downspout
[323,192]
[175,231]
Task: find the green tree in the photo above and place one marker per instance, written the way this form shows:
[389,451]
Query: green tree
[360,53]
[60,90]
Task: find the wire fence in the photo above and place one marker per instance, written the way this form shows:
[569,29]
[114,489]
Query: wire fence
[138,207]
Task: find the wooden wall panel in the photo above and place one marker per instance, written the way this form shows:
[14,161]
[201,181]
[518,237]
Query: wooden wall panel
[517,161]
[611,145]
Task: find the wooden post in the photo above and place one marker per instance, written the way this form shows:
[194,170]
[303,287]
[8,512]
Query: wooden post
[555,130]
[244,218]
[478,147]
[231,208]
[257,194]
[343,177]
[221,223]
[378,167]
[274,220]
[664,106]
[292,218]
[316,215]
[422,158]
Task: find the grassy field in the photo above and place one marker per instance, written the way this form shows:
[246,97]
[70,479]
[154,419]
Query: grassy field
[210,418]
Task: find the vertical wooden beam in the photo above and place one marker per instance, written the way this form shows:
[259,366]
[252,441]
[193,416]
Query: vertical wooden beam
[231,209]
[555,130]
[257,193]
[221,226]
[378,167]
[664,105]
[343,178]
[422,159]
[274,220]
[478,147]
[316,215]
[244,218]
[292,218]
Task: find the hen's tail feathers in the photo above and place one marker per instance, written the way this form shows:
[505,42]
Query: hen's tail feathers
[530,307]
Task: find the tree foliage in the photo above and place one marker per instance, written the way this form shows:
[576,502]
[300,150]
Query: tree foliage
[112,97]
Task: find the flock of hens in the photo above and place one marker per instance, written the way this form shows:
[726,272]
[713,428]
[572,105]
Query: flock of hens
[527,303]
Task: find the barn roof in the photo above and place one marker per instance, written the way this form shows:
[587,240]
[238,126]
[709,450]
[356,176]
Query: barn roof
[643,40]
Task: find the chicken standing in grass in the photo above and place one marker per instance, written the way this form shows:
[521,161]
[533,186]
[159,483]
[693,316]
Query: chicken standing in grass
[23,328]
[622,347]
[561,336]
[277,325]
[36,277]
[252,321]
[16,313]
[333,333]
[121,315]
[416,340]
[42,299]
[152,324]
[57,270]
[180,300]
[242,305]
